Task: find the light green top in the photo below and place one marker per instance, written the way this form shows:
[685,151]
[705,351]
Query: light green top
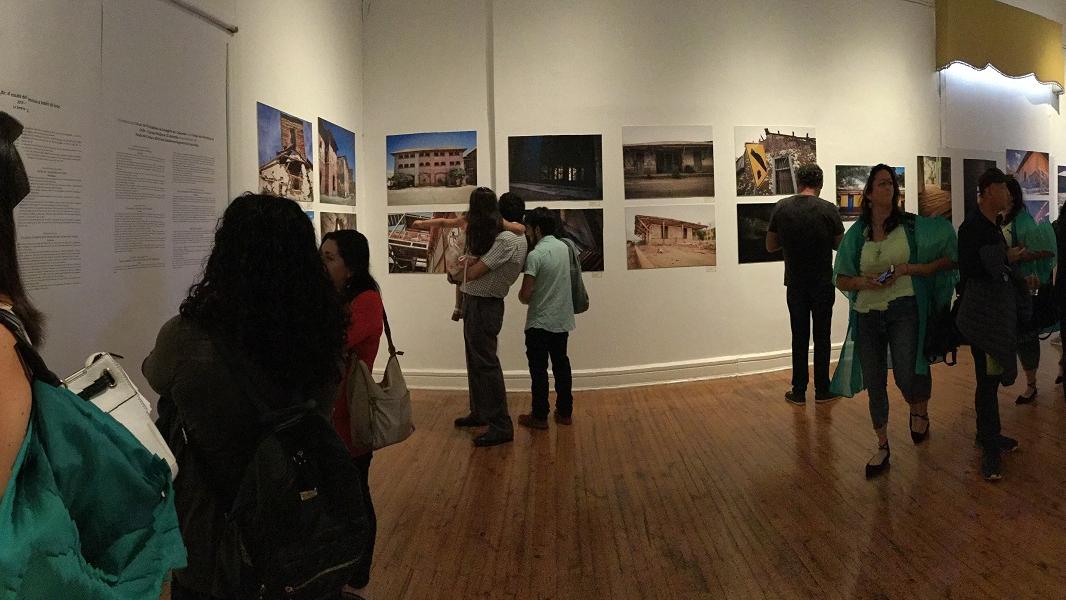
[878,257]
[551,307]
[1008,234]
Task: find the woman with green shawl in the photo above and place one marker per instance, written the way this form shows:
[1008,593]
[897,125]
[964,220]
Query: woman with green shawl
[1021,230]
[896,269]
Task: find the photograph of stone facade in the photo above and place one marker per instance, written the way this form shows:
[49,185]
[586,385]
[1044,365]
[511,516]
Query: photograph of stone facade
[285,160]
[336,164]
[850,182]
[934,186]
[767,158]
[421,248]
[333,221]
[1033,172]
[668,162]
[972,169]
[555,167]
[431,168]
[585,228]
[660,237]
[752,222]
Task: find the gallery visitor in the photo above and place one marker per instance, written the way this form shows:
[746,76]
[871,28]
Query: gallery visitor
[990,290]
[806,229]
[495,264]
[546,289]
[1021,230]
[85,512]
[895,268]
[265,315]
[346,254]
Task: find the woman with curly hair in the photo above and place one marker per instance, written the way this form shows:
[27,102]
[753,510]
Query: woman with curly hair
[266,294]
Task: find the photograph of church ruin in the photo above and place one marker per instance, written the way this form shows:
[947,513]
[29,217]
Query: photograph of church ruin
[555,167]
[659,237]
[431,168]
[934,186]
[768,157]
[336,164]
[285,160]
[668,162]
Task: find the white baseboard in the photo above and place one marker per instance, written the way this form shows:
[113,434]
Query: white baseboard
[621,377]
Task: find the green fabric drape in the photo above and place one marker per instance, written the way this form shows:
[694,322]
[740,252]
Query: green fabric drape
[930,239]
[88,513]
[1038,237]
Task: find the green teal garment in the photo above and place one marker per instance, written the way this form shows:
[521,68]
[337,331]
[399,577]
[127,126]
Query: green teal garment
[88,513]
[1038,237]
[930,239]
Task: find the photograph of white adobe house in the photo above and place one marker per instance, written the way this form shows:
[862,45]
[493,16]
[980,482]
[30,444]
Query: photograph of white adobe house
[660,237]
[285,161]
[431,168]
[668,162]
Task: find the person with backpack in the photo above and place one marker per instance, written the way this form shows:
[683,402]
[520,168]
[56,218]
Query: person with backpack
[895,268]
[269,500]
[85,512]
[346,254]
[546,289]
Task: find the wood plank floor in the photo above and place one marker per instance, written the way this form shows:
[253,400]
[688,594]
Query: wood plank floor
[721,489]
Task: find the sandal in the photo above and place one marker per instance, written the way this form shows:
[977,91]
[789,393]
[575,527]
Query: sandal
[916,436]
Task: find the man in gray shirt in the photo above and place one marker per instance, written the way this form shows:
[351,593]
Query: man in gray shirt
[550,319]
[488,280]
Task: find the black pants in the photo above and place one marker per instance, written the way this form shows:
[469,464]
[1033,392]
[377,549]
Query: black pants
[540,346]
[179,592]
[362,573]
[804,305]
[482,321]
[985,400]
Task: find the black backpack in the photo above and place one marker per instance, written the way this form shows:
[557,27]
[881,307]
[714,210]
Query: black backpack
[298,525]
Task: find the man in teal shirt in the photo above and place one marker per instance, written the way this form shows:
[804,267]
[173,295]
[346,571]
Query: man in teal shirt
[550,319]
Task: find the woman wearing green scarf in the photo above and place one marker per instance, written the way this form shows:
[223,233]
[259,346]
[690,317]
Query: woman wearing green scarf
[1021,230]
[896,269]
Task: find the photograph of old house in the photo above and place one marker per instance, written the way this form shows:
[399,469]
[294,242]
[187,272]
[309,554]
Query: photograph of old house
[752,222]
[767,158]
[934,186]
[585,228]
[419,248]
[285,159]
[851,181]
[659,237]
[1033,172]
[336,164]
[332,221]
[430,168]
[556,167]
[972,169]
[668,162]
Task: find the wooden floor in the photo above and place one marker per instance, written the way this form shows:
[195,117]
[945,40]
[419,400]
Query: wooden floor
[721,489]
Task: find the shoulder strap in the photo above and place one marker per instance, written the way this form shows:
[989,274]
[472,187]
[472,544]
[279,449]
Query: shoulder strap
[388,330]
[32,363]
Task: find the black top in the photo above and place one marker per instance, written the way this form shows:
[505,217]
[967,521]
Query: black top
[975,233]
[806,227]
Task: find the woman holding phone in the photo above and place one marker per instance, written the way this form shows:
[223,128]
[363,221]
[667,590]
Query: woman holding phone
[894,267]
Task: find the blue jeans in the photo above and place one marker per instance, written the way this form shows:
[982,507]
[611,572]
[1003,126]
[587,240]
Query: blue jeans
[893,330]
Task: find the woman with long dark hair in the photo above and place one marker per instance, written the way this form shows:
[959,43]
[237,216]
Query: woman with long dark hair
[266,297]
[895,267]
[346,254]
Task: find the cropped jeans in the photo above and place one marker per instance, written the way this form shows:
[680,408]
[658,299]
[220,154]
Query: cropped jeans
[892,332]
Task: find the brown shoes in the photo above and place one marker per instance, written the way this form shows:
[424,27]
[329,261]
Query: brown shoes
[560,419]
[532,422]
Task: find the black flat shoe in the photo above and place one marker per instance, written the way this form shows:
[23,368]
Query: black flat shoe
[1058,380]
[1023,399]
[486,439]
[796,398]
[919,437]
[875,469]
[468,421]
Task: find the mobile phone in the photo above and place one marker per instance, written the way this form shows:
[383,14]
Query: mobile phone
[883,277]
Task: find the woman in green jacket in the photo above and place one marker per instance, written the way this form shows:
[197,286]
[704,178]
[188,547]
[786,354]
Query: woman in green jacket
[895,268]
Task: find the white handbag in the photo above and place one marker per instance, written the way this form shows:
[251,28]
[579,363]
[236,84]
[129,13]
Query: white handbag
[380,413]
[105,383]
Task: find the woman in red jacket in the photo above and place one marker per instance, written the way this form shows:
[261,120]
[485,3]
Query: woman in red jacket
[346,254]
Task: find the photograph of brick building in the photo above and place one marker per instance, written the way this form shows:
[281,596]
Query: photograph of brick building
[285,159]
[671,236]
[420,248]
[336,164]
[934,186]
[753,220]
[430,168]
[1033,172]
[850,183]
[555,167]
[668,162]
[767,158]
[333,221]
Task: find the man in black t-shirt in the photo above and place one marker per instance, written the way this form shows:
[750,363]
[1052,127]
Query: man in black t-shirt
[807,229]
